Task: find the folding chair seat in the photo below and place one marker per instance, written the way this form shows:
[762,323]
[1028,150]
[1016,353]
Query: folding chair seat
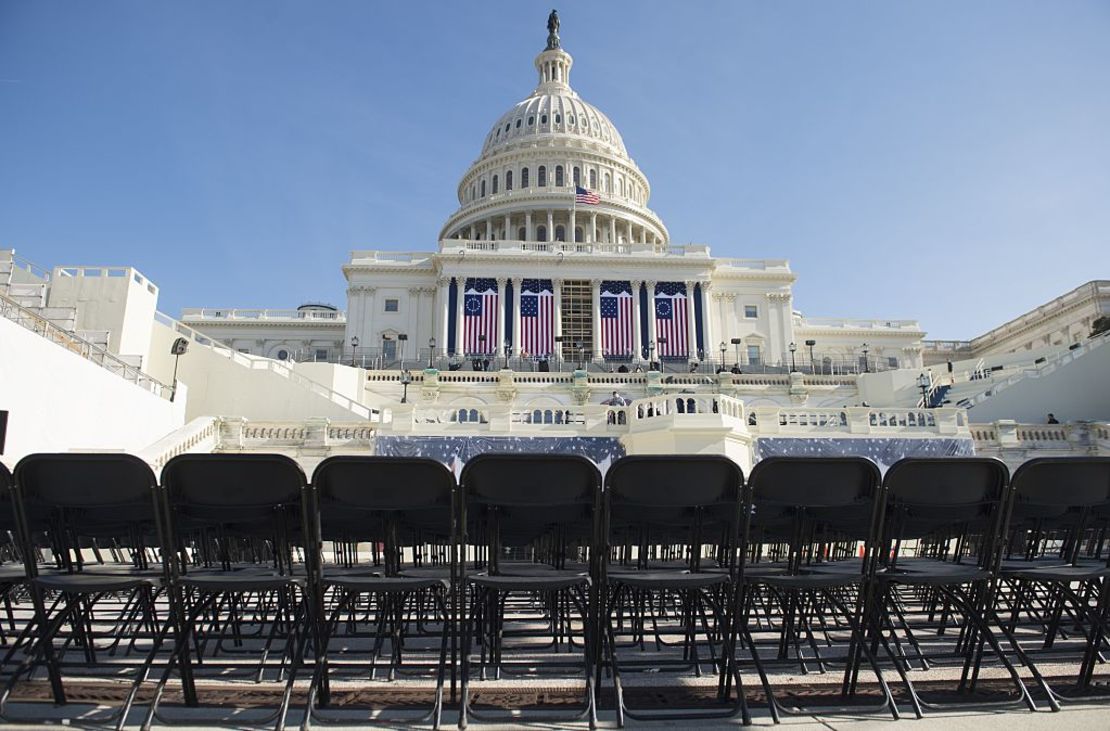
[544,508]
[669,573]
[238,599]
[406,505]
[1056,572]
[798,510]
[89,622]
[953,510]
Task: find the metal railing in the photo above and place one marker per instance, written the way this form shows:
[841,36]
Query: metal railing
[75,344]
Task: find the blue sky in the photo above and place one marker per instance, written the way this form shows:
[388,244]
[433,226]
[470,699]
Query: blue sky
[947,161]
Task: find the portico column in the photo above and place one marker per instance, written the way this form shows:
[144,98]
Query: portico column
[460,292]
[595,309]
[706,318]
[501,297]
[637,339]
[691,324]
[517,340]
[557,288]
[651,317]
[443,305]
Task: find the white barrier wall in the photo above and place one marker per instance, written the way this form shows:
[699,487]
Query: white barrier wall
[58,401]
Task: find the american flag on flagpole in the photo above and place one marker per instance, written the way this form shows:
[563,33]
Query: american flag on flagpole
[537,317]
[670,318]
[480,316]
[587,197]
[616,319]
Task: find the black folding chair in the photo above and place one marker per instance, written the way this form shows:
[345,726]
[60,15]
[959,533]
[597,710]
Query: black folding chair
[12,572]
[952,511]
[531,522]
[1056,570]
[803,583]
[94,616]
[405,506]
[668,576]
[234,524]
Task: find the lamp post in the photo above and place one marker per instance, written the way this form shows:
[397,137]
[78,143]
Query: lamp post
[924,382]
[812,362]
[579,348]
[724,348]
[431,350]
[661,341]
[793,365]
[651,356]
[403,338]
[406,379]
[508,351]
[737,342]
[354,348]
[866,363]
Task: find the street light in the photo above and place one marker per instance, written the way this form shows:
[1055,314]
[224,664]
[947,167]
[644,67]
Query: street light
[924,382]
[724,348]
[431,350]
[406,379]
[651,356]
[403,338]
[812,362]
[866,366]
[354,347]
[793,365]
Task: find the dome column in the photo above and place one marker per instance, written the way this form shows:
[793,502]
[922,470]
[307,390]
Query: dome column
[528,233]
[508,230]
[612,229]
[570,231]
[489,229]
[550,225]
[592,238]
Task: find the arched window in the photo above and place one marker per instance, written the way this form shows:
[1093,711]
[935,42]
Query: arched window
[482,189]
[518,124]
[593,180]
[558,119]
[577,175]
[560,233]
[494,184]
[531,121]
[509,180]
[577,234]
[541,233]
[543,119]
[559,176]
[608,183]
[620,181]
[521,233]
[524,177]
[541,176]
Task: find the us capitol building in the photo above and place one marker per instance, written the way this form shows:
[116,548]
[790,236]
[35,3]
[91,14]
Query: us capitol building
[555,253]
[555,315]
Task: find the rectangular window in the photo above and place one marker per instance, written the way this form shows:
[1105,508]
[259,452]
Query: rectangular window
[751,311]
[321,354]
[392,305]
[753,355]
[892,362]
[245,350]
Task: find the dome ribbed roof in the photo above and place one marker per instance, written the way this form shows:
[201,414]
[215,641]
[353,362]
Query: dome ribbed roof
[542,116]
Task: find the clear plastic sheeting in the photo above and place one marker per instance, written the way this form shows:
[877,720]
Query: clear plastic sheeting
[882,451]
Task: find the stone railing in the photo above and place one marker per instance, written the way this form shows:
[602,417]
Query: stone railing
[859,420]
[286,315]
[1007,437]
[237,434]
[199,435]
[635,248]
[78,345]
[839,323]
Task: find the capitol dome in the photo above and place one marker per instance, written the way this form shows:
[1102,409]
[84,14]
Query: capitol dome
[536,155]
